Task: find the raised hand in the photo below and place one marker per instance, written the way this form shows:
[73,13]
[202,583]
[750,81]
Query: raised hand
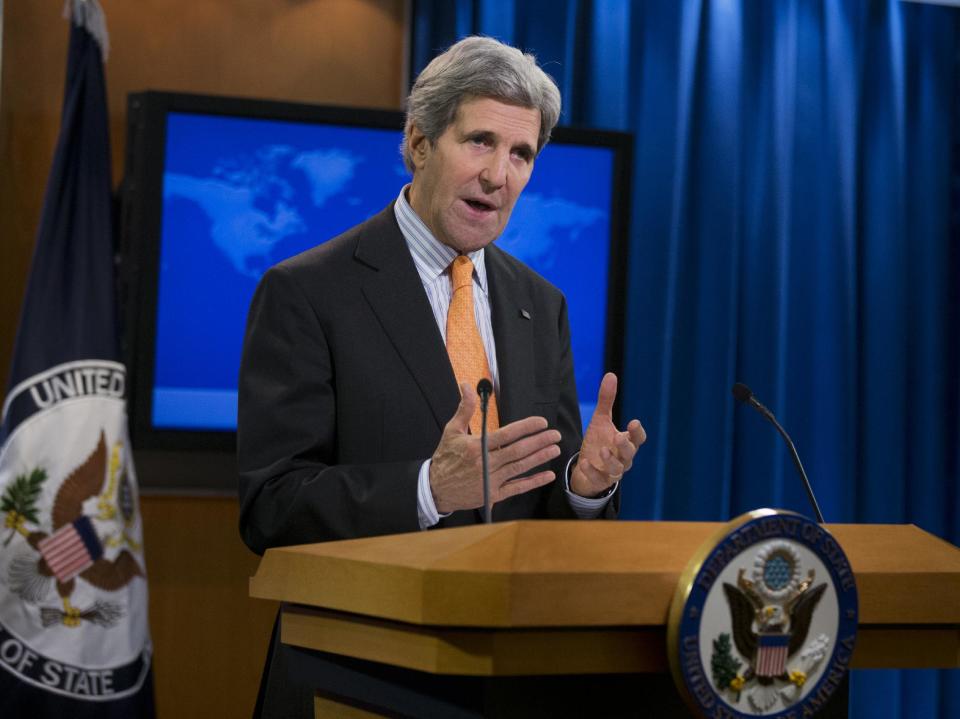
[606,452]
[456,477]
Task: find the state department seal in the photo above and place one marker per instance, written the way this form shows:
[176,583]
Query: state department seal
[73,592]
[764,619]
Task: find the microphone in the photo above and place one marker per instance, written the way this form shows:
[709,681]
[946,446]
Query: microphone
[745,395]
[485,389]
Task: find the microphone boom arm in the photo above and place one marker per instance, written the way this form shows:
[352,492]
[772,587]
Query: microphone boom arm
[793,454]
[743,394]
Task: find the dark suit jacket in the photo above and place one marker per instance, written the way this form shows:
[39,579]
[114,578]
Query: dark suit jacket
[345,387]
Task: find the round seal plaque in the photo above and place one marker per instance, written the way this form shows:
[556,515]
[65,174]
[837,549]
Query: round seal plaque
[764,619]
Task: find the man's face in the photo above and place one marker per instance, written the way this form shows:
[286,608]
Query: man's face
[465,186]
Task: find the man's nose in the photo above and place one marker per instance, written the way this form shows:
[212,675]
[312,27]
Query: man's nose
[493,175]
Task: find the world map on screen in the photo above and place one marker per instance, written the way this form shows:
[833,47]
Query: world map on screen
[251,207]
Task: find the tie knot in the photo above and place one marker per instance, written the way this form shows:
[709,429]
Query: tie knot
[461,272]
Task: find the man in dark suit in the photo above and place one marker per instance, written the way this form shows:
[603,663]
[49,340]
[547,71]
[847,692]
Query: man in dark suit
[358,412]
[351,422]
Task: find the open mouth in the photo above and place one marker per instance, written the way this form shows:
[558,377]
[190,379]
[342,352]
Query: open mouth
[480,205]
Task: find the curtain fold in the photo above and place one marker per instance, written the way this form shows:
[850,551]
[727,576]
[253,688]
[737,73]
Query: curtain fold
[795,226]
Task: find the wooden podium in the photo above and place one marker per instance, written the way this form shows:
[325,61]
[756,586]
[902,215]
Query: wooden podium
[517,608]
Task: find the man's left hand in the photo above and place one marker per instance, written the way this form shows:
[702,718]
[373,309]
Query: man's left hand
[606,453]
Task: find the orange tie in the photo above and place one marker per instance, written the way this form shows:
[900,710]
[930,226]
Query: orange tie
[464,345]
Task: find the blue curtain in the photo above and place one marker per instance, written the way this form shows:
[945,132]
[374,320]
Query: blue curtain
[795,227]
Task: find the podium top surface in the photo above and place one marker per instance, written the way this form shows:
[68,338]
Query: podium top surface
[580,573]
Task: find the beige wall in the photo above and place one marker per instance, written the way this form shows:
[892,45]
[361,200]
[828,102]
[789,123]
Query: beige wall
[209,638]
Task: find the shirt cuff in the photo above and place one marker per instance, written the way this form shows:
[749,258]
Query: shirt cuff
[585,507]
[426,508]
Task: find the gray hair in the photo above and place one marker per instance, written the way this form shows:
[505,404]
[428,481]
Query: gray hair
[472,68]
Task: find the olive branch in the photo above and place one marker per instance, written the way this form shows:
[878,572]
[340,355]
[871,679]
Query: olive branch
[723,664]
[19,501]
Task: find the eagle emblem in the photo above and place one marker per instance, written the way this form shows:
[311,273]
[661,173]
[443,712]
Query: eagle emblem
[770,611]
[73,549]
[73,590]
[763,621]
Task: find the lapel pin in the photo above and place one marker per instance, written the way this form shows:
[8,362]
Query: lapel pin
[525,314]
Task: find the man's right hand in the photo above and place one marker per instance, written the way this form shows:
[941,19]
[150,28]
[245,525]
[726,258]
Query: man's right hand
[456,472]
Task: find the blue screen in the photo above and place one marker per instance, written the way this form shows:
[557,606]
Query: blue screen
[240,195]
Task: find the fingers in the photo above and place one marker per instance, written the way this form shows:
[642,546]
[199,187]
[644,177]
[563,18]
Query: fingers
[604,470]
[524,484]
[520,446]
[597,479]
[623,450]
[611,464]
[510,433]
[607,395]
[638,435]
[460,422]
[625,446]
[524,447]
[507,472]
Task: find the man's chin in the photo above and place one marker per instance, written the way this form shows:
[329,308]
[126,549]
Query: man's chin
[466,242]
[469,246]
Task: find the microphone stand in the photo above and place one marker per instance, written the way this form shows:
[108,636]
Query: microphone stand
[483,389]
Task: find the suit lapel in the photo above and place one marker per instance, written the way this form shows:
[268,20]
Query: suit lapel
[395,294]
[512,315]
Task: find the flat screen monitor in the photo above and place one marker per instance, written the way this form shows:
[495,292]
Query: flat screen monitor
[218,190]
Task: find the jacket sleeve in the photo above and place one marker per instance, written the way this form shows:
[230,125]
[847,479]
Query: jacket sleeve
[292,489]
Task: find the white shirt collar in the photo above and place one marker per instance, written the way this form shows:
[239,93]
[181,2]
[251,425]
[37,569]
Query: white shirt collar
[431,257]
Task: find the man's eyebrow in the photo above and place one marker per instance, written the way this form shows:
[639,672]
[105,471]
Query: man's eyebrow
[486,135]
[525,149]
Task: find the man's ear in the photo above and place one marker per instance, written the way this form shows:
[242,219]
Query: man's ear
[419,146]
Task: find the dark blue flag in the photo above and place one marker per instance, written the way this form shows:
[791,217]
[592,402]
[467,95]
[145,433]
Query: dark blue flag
[74,639]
